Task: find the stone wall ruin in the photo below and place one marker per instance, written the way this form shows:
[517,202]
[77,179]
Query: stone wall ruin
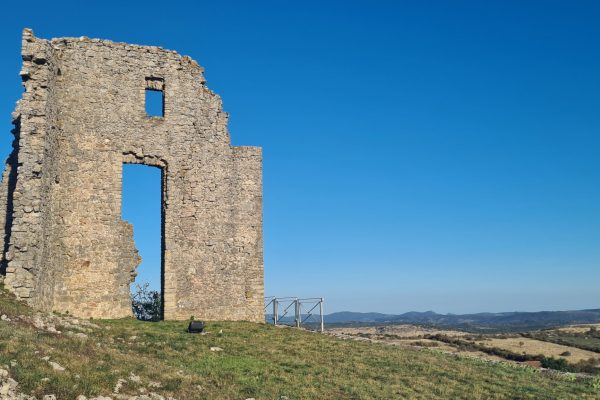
[81,117]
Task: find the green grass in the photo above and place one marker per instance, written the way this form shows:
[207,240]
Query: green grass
[257,361]
[583,340]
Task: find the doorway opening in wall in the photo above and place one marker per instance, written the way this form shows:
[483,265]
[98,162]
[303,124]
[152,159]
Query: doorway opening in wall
[142,206]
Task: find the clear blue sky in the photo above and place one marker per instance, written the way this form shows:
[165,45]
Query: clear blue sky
[438,155]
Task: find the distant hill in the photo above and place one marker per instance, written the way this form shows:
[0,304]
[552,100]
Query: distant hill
[349,316]
[480,321]
[509,320]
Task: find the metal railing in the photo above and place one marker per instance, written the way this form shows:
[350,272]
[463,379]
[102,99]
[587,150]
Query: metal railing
[304,311]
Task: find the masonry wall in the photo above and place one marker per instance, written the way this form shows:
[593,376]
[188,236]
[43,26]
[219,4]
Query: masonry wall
[81,117]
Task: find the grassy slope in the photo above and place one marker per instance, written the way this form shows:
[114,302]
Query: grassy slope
[257,361]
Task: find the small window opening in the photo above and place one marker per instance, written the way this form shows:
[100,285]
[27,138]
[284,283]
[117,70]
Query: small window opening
[155,97]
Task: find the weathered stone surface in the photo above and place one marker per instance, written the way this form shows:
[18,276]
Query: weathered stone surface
[81,117]
[56,366]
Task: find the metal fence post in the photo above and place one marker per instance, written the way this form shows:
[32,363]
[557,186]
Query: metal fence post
[296,302]
[322,317]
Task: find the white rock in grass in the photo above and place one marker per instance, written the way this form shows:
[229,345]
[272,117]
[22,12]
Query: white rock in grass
[38,322]
[216,349]
[56,366]
[52,329]
[134,378]
[4,389]
[119,385]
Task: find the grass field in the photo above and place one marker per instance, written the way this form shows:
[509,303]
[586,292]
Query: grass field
[533,347]
[585,338]
[258,361]
[578,345]
[579,328]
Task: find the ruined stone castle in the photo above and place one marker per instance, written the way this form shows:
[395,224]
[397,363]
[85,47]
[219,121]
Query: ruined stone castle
[81,117]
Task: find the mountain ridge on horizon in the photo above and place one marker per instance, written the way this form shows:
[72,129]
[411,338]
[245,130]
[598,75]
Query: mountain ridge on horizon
[513,320]
[431,312]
